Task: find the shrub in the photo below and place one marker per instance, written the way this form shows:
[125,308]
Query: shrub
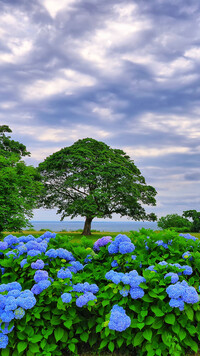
[137,294]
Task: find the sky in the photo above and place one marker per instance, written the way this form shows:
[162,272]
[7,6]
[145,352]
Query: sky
[123,72]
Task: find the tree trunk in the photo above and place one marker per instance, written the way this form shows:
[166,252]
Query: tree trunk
[87,227]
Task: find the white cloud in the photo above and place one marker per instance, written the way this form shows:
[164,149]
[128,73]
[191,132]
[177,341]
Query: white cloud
[178,124]
[67,82]
[54,7]
[154,152]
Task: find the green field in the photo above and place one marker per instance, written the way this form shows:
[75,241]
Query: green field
[76,235]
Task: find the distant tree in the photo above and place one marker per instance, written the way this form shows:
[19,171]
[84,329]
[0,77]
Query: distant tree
[8,146]
[91,179]
[20,185]
[195,216]
[173,220]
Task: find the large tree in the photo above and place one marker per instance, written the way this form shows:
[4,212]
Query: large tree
[20,185]
[91,179]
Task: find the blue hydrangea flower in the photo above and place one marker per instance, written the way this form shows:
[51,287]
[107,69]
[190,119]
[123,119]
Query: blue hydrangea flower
[88,259]
[11,303]
[3,245]
[23,262]
[84,299]
[177,303]
[7,316]
[33,253]
[189,237]
[40,275]
[52,253]
[163,263]
[64,273]
[26,303]
[66,297]
[75,266]
[126,247]
[114,263]
[39,264]
[119,321]
[19,313]
[101,242]
[187,255]
[136,293]
[187,270]
[174,277]
[124,292]
[5,331]
[3,341]
[11,240]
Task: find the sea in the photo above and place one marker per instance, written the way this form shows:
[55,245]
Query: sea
[114,226]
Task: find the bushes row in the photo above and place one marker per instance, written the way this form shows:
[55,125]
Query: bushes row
[138,295]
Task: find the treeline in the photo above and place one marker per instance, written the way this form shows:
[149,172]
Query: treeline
[181,223]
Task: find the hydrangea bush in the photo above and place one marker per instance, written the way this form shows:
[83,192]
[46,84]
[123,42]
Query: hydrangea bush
[137,294]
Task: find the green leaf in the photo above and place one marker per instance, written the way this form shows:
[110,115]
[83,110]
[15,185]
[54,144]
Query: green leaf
[103,343]
[149,320]
[197,315]
[5,352]
[166,338]
[120,342]
[58,333]
[84,336]
[147,334]
[72,347]
[34,348]
[147,298]
[21,346]
[157,324]
[190,313]
[35,338]
[138,339]
[170,319]
[68,323]
[111,346]
[182,334]
[157,311]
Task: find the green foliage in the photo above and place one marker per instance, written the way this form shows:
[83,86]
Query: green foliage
[195,215]
[174,221]
[20,185]
[53,327]
[91,179]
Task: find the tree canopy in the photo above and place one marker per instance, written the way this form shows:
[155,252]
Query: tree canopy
[20,185]
[174,221]
[195,216]
[90,179]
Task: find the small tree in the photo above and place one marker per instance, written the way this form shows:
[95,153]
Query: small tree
[91,179]
[173,220]
[20,185]
[195,216]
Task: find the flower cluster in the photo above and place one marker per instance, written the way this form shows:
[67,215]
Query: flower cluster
[119,321]
[42,282]
[187,255]
[29,245]
[61,253]
[13,303]
[88,290]
[174,277]
[101,242]
[122,244]
[189,237]
[181,293]
[131,278]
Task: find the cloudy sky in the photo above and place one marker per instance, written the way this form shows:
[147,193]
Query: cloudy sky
[123,72]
